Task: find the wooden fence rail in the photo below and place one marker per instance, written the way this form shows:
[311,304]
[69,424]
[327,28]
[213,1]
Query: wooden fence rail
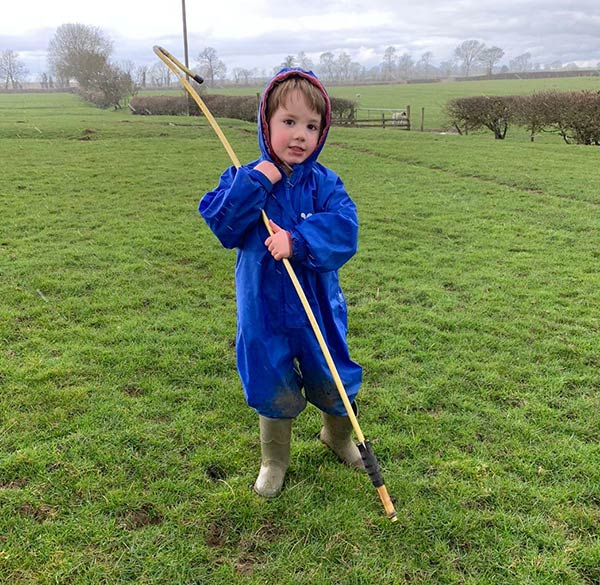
[377,118]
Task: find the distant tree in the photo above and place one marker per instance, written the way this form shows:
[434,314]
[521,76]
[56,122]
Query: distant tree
[160,75]
[520,63]
[424,66]
[304,61]
[134,73]
[140,75]
[343,63]
[446,68]
[356,71]
[327,62]
[80,52]
[468,53]
[289,61]
[489,57]
[12,69]
[241,75]
[405,66]
[127,66]
[388,65]
[373,72]
[555,66]
[211,67]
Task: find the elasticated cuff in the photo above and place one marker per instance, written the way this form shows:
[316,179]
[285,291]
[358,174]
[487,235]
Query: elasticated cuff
[299,247]
[262,179]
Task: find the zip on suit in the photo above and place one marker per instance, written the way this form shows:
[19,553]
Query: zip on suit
[279,360]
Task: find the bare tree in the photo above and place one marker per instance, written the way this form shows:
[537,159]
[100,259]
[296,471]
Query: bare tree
[520,63]
[343,63]
[241,75]
[388,65]
[446,68]
[80,52]
[469,52]
[12,69]
[356,71]
[288,62]
[140,75]
[160,75]
[327,61]
[128,66]
[304,61]
[211,66]
[405,66]
[424,66]
[489,57]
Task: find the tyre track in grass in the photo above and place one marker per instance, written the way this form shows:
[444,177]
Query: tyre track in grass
[457,175]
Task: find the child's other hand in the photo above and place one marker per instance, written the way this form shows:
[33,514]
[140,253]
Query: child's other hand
[269,170]
[280,243]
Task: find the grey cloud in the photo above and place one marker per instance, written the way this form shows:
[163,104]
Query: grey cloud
[564,31]
[34,40]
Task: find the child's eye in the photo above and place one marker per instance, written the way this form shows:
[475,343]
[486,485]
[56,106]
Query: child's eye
[312,127]
[288,122]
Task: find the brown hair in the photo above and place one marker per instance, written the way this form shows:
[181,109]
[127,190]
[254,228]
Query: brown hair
[313,95]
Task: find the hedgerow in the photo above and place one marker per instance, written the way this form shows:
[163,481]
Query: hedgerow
[574,115]
[221,106]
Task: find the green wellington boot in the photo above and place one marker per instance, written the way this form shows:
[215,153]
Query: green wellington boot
[337,435]
[275,437]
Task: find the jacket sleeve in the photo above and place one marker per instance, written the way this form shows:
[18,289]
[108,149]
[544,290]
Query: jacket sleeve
[235,205]
[329,238]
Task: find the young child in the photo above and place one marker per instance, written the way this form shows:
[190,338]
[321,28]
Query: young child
[315,226]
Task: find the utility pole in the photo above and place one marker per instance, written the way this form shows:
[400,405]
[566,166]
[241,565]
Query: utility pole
[185,42]
[185,50]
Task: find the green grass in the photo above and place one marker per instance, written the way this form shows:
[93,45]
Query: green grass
[126,448]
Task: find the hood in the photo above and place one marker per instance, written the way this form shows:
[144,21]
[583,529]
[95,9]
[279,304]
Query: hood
[264,140]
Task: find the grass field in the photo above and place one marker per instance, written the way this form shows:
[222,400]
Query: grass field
[126,449]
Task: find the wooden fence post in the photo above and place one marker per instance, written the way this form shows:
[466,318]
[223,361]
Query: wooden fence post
[408,117]
[422,119]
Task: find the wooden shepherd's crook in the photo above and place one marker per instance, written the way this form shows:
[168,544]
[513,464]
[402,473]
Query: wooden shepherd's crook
[369,459]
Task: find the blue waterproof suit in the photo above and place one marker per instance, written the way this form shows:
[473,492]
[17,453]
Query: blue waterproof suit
[278,355]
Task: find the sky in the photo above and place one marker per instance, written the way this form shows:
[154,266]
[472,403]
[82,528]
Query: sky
[259,34]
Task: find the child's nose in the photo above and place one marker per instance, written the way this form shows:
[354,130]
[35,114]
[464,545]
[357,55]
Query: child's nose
[300,133]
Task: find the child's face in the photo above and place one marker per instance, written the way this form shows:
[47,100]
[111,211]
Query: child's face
[294,129]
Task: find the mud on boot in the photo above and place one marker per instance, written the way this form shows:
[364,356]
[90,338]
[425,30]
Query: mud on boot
[275,437]
[337,435]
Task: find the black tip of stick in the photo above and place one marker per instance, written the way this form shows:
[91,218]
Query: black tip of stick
[371,463]
[198,79]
